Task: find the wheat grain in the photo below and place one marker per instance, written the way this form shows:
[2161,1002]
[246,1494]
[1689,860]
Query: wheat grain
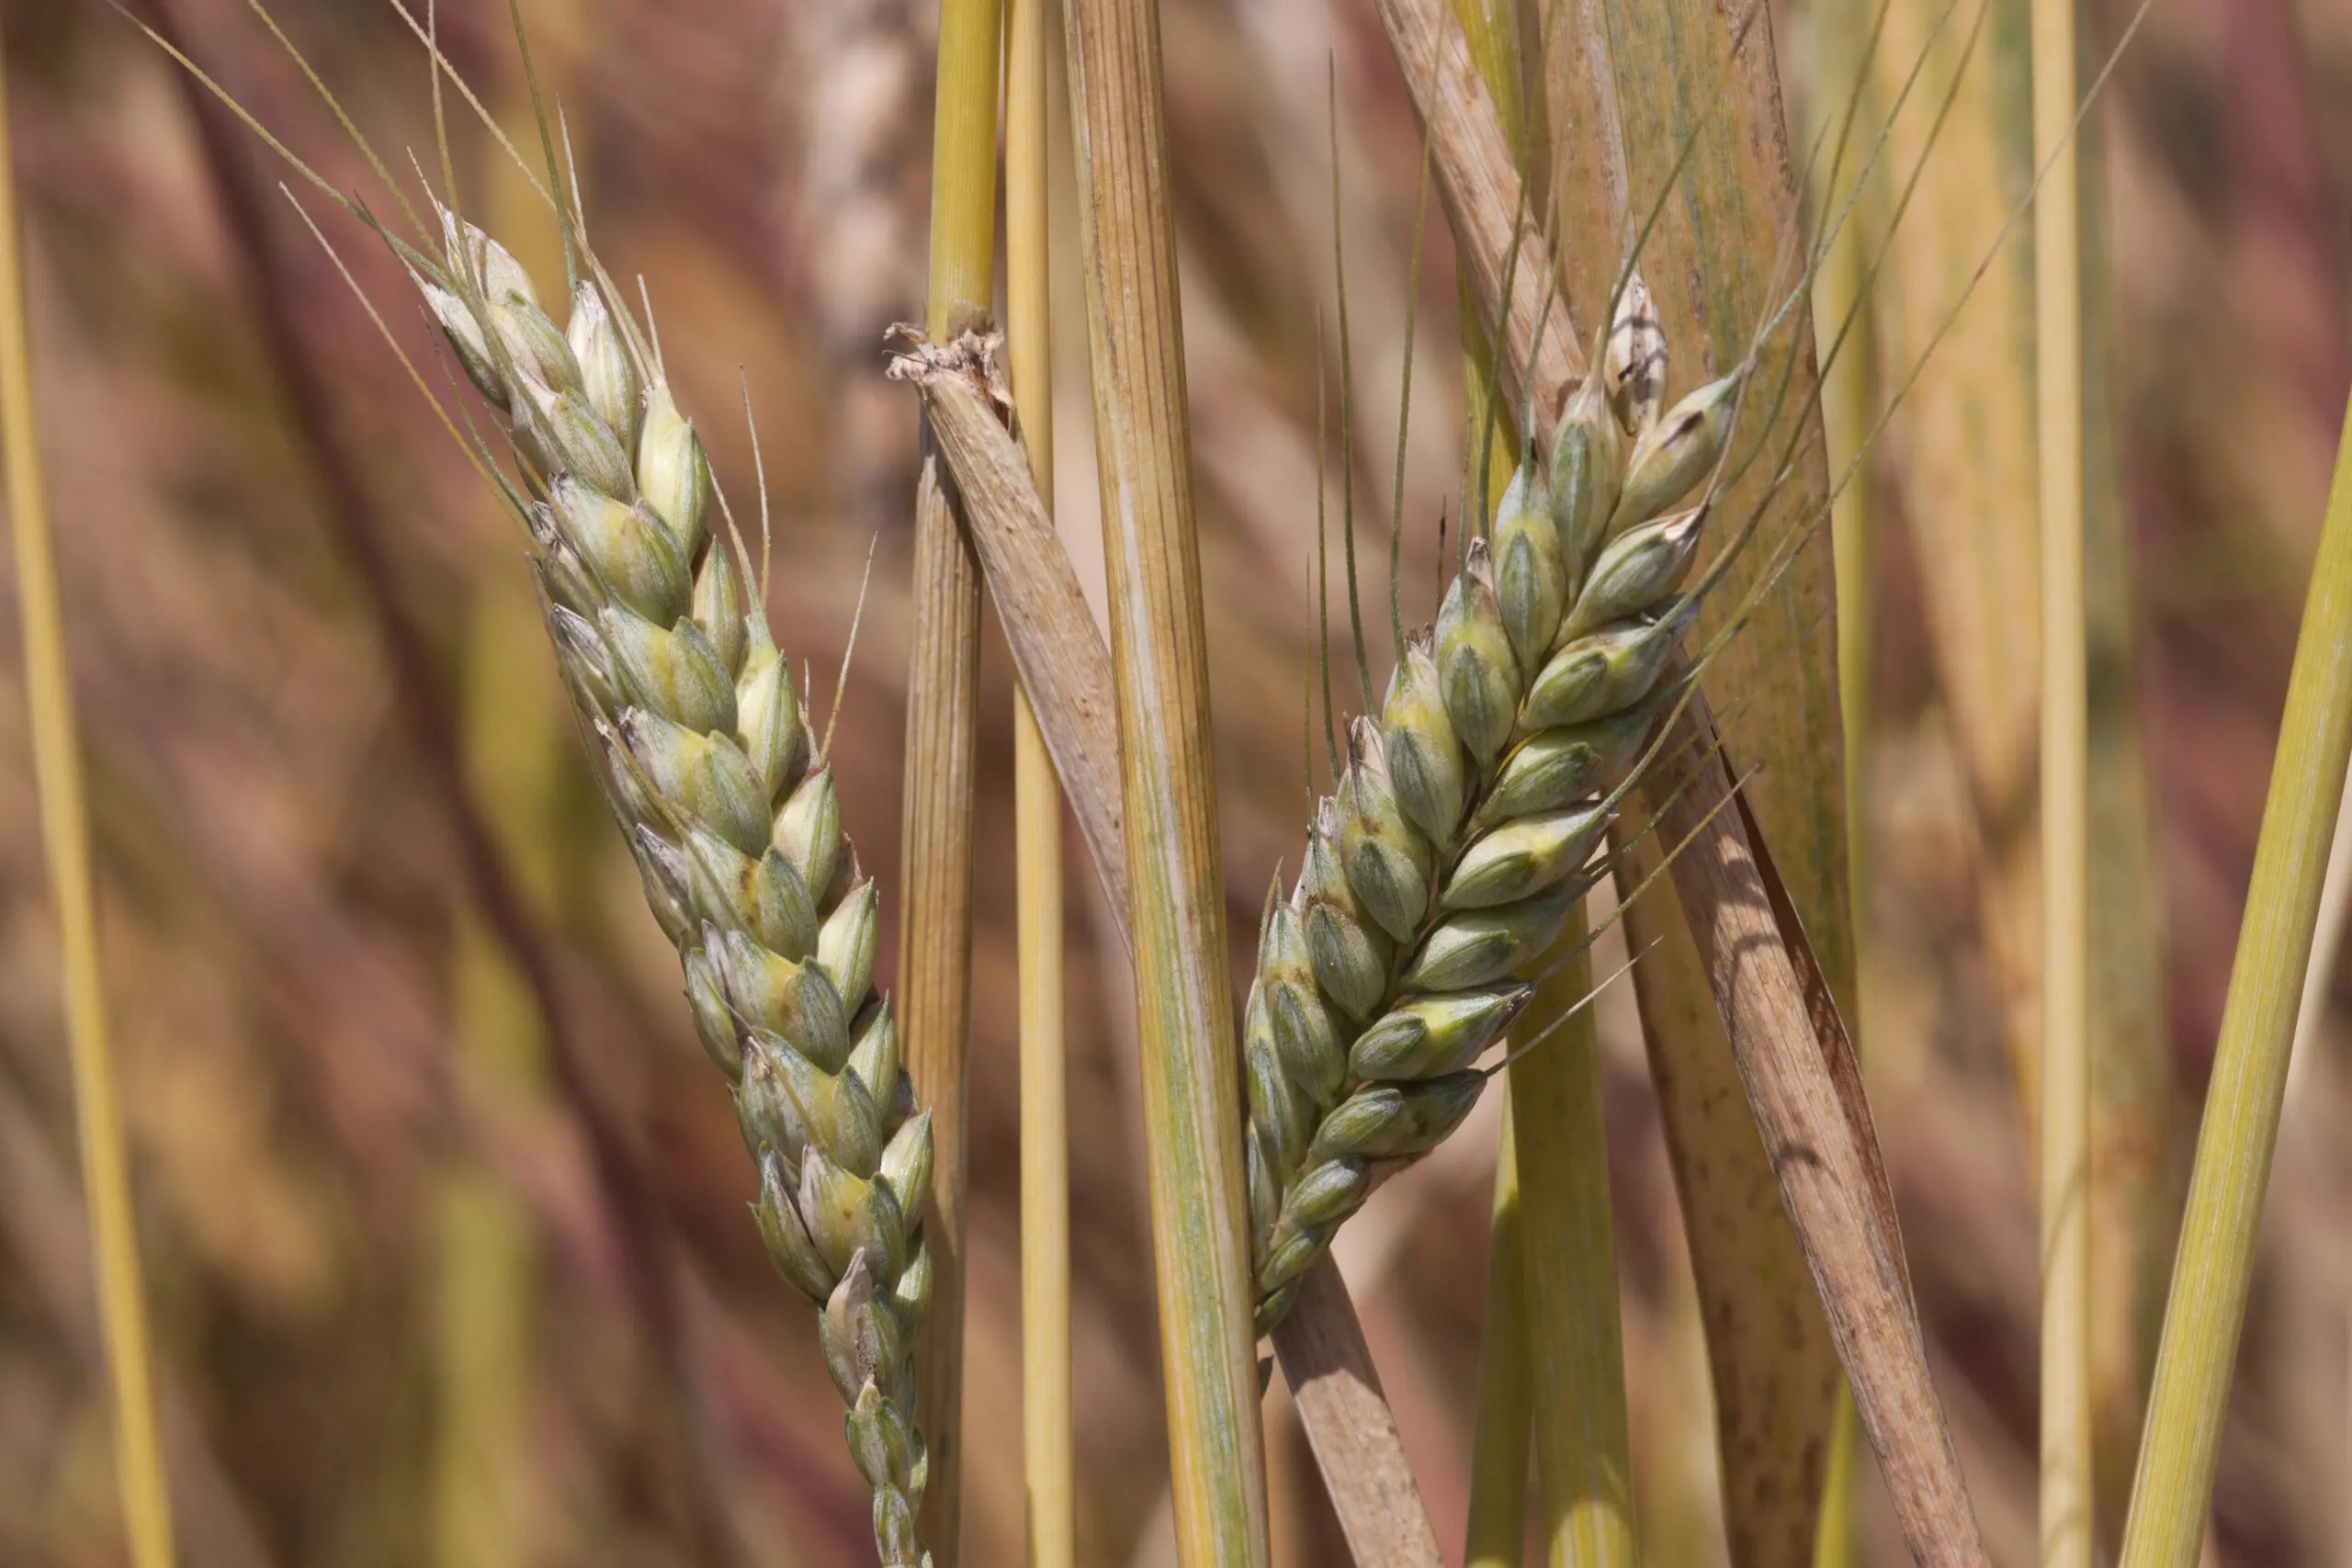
[1468,823]
[731,814]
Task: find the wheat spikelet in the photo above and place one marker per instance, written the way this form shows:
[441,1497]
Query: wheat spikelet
[731,814]
[1471,814]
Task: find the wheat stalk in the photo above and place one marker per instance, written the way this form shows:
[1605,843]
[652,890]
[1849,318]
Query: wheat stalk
[943,728]
[1495,1534]
[1465,828]
[2172,1490]
[1048,1462]
[661,636]
[1168,771]
[2066,1491]
[141,1480]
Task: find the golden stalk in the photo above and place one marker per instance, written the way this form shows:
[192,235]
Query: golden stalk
[2065,1488]
[1969,485]
[65,838]
[1184,1006]
[943,677]
[2213,1269]
[1047,1465]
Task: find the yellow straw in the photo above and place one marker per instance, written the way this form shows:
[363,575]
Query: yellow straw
[2066,1498]
[1047,1460]
[65,837]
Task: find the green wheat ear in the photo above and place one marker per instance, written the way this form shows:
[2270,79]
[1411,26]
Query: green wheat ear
[1471,814]
[733,817]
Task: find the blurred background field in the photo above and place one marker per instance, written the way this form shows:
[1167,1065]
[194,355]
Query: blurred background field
[397,1319]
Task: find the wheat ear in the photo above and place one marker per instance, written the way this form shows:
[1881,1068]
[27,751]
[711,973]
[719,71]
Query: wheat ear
[663,641]
[1472,815]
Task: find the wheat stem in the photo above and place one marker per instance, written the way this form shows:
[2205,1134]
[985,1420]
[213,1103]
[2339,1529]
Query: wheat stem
[1668,120]
[1574,1374]
[963,181]
[1497,1534]
[1168,770]
[1499,1458]
[65,840]
[1839,297]
[1349,1424]
[1471,150]
[2066,1486]
[1577,1365]
[943,672]
[2213,1269]
[1047,1464]
[1491,32]
[1797,1067]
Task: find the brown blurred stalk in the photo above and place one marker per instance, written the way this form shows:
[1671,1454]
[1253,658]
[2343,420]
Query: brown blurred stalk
[65,843]
[943,727]
[2139,1170]
[1184,1003]
[1968,483]
[487,1287]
